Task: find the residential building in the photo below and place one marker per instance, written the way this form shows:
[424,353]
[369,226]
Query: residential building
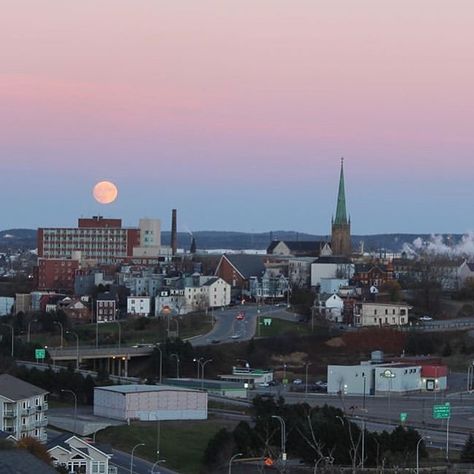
[332,285]
[56,274]
[138,306]
[381,314]
[170,299]
[204,292]
[106,307]
[23,408]
[7,304]
[373,274]
[299,272]
[23,303]
[465,271]
[333,308]
[79,456]
[20,461]
[237,269]
[331,267]
[77,310]
[269,287]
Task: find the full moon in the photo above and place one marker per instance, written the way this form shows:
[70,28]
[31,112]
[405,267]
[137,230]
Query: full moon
[105,192]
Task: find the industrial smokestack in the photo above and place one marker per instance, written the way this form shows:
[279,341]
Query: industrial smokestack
[174,233]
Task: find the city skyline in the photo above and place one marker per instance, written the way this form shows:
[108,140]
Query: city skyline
[238,115]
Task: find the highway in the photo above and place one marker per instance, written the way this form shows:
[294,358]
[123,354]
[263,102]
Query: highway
[229,329]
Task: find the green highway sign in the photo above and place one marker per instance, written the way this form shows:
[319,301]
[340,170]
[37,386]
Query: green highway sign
[267,321]
[40,353]
[442,412]
[403,417]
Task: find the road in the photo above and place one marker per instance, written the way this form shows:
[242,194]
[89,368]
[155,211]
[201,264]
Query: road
[229,329]
[122,461]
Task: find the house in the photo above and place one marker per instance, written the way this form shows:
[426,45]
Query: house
[77,310]
[381,314]
[78,455]
[299,271]
[333,308]
[138,306]
[105,307]
[269,286]
[23,408]
[203,292]
[465,271]
[373,275]
[296,248]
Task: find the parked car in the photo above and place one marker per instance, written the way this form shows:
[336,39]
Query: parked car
[240,316]
[426,318]
[297,381]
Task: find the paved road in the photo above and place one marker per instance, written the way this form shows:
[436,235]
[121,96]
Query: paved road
[444,325]
[122,461]
[228,329]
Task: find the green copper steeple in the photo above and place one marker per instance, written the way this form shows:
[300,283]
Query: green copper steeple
[341,214]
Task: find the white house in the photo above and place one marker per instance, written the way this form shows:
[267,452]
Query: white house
[334,308]
[138,306]
[6,305]
[381,314]
[170,299]
[77,455]
[209,292]
[465,271]
[23,409]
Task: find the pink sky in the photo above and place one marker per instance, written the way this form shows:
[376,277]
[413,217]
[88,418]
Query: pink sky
[262,94]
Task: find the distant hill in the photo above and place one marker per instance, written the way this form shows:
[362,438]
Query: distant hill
[206,240]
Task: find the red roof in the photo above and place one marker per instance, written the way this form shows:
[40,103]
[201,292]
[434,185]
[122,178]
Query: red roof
[434,371]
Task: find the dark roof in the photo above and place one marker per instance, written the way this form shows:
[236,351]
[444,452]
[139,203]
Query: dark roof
[247,265]
[105,297]
[59,440]
[470,265]
[333,259]
[210,281]
[16,389]
[19,461]
[299,245]
[4,434]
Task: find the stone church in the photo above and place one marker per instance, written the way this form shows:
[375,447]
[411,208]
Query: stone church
[341,225]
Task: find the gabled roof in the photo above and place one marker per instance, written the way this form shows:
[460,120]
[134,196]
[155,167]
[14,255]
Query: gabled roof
[247,265]
[16,389]
[210,281]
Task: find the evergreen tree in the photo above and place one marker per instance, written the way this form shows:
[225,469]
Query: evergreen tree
[467,454]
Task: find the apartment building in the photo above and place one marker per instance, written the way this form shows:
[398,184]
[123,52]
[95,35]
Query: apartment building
[23,408]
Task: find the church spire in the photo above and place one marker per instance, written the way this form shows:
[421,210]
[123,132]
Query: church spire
[341,214]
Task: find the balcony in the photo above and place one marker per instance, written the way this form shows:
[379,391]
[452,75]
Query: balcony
[42,423]
[27,411]
[9,414]
[42,407]
[27,427]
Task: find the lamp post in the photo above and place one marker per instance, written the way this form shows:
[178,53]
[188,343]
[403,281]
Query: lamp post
[306,379]
[231,459]
[470,376]
[13,336]
[283,439]
[161,363]
[62,332]
[203,365]
[63,390]
[388,374]
[284,374]
[160,461]
[131,457]
[177,364]
[198,366]
[418,452]
[119,331]
[77,347]
[28,333]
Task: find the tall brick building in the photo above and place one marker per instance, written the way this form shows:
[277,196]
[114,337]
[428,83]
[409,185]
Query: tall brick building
[95,238]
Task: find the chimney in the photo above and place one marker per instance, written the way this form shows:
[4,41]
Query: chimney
[174,234]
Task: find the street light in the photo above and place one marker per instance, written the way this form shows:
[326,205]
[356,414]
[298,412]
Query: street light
[231,459]
[283,437]
[161,363]
[77,347]
[63,390]
[62,333]
[28,333]
[203,365]
[306,381]
[119,331]
[13,336]
[160,461]
[177,364]
[198,366]
[418,452]
[131,458]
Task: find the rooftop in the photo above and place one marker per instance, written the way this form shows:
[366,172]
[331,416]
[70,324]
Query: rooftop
[135,388]
[15,389]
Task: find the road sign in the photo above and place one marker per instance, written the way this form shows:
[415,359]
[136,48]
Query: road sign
[442,412]
[403,417]
[40,354]
[267,321]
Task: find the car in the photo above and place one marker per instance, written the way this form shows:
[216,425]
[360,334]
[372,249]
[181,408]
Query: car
[297,381]
[216,341]
[264,384]
[425,318]
[240,316]
[273,383]
[235,336]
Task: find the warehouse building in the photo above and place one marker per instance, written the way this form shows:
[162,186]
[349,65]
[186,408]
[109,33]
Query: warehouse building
[150,403]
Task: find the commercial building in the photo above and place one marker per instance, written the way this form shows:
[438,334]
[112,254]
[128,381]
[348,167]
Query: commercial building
[23,409]
[381,314]
[106,308]
[212,387]
[56,274]
[248,376]
[150,403]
